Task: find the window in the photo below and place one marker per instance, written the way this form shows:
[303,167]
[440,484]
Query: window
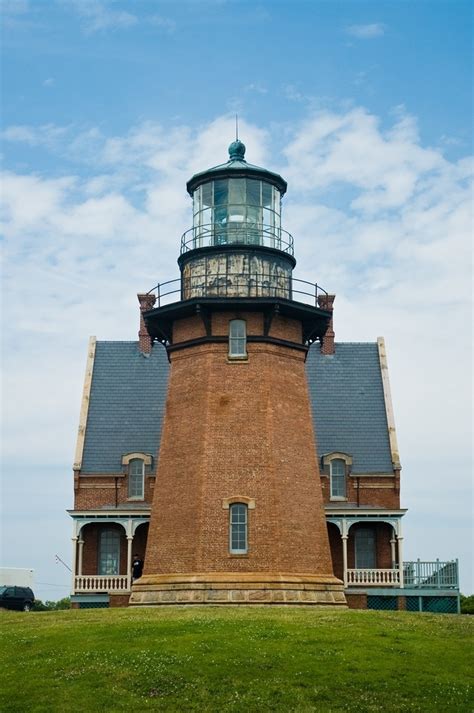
[237,339]
[238,544]
[338,478]
[136,479]
[109,552]
[237,210]
[365,548]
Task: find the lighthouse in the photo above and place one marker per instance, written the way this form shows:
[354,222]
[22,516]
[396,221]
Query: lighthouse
[237,515]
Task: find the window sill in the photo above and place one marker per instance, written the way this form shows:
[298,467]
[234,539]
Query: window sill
[237,360]
[136,500]
[236,555]
[337,498]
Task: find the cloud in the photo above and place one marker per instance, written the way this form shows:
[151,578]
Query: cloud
[49,82]
[366,32]
[99,16]
[382,167]
[47,135]
[163,23]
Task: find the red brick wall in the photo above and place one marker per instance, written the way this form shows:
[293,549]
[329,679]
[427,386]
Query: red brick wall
[237,428]
[99,491]
[356,601]
[387,495]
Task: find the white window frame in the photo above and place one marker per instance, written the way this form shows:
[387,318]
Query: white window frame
[338,495]
[237,339]
[109,557]
[134,492]
[236,521]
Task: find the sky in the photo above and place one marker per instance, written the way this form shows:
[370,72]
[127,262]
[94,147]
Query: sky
[108,107]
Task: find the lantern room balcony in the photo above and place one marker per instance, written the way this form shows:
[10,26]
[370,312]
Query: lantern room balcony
[235,284]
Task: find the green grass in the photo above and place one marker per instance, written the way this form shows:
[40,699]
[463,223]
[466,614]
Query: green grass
[235,659]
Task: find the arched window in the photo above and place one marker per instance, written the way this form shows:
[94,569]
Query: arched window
[238,538]
[338,478]
[109,552]
[237,339]
[136,479]
[365,555]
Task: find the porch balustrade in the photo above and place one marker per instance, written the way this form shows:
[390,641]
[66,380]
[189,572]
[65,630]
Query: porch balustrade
[373,577]
[101,583]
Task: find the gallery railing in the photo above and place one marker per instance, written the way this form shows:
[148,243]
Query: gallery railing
[228,284]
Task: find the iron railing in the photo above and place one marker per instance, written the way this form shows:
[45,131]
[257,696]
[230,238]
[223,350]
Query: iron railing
[237,285]
[244,233]
[431,575]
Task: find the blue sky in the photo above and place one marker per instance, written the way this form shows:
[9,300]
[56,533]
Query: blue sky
[108,107]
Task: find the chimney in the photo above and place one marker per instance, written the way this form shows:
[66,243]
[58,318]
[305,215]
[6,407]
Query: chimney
[144,340]
[327,342]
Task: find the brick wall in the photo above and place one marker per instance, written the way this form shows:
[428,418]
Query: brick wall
[356,601]
[367,491]
[93,492]
[237,428]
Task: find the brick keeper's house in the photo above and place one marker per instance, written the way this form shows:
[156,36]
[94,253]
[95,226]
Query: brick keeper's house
[236,447]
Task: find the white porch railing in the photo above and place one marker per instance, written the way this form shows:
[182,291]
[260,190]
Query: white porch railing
[101,583]
[373,577]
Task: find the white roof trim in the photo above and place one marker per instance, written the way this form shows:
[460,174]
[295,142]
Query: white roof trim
[392,434]
[86,391]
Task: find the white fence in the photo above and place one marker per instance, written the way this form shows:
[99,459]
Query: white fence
[374,577]
[101,583]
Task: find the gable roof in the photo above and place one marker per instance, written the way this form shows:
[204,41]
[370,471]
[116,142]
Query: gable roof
[348,405]
[128,394]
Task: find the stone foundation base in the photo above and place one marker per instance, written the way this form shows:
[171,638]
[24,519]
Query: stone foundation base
[238,588]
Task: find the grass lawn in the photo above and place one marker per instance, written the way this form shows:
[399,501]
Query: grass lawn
[235,659]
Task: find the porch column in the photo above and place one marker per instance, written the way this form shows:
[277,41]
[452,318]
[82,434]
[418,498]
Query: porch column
[393,551]
[73,568]
[129,561]
[344,558]
[79,563]
[400,559]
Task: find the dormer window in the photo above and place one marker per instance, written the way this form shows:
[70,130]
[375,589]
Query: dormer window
[337,466]
[237,339]
[135,464]
[136,479]
[338,479]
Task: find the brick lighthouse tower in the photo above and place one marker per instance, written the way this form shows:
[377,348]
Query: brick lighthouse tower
[237,514]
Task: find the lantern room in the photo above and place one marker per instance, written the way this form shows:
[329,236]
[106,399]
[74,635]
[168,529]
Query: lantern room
[236,246]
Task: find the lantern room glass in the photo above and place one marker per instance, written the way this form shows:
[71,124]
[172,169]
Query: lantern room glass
[237,210]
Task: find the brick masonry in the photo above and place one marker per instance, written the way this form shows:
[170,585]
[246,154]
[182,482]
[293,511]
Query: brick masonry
[238,428]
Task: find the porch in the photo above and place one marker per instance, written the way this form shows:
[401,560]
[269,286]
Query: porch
[104,544]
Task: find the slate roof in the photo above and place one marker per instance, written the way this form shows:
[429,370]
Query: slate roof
[128,394]
[127,400]
[348,405]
